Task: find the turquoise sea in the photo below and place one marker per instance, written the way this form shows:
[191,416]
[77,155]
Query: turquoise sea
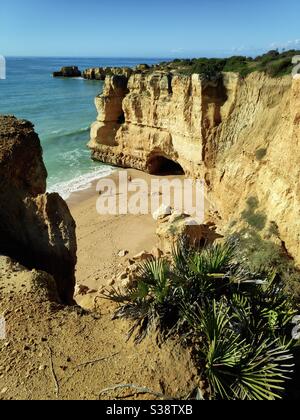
[62,111]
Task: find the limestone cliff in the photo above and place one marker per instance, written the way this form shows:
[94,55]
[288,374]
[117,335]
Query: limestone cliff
[239,134]
[36,229]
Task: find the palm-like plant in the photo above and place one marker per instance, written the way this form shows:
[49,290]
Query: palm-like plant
[237,322]
[152,304]
[203,273]
[235,367]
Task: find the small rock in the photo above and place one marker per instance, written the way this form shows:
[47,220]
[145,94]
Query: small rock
[143,256]
[123,253]
[162,212]
[42,367]
[81,290]
[4,390]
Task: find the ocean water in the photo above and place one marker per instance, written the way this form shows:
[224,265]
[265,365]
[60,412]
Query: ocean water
[62,111]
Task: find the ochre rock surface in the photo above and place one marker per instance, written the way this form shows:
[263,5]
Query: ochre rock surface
[100,73]
[241,135]
[36,228]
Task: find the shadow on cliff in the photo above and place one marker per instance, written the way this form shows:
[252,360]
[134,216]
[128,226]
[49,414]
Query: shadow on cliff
[36,229]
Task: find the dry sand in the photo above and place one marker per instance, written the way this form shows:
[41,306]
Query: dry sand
[101,237]
[53,352]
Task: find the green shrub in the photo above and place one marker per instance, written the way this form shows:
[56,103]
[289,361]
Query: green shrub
[237,322]
[279,67]
[264,255]
[273,63]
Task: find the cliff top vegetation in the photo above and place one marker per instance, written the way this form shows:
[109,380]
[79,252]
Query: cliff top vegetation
[273,63]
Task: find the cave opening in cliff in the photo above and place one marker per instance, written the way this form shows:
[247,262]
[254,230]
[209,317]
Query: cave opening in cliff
[160,165]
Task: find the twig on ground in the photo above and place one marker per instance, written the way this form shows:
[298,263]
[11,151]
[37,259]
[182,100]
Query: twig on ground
[56,385]
[138,389]
[89,362]
[92,362]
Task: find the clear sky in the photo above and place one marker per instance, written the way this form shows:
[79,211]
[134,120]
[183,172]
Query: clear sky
[153,28]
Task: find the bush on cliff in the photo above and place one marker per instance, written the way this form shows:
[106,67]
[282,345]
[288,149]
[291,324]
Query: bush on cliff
[237,323]
[273,63]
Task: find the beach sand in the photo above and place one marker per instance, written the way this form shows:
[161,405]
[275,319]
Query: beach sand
[102,237]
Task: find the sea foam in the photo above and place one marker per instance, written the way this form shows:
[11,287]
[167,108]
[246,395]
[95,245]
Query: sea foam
[80,183]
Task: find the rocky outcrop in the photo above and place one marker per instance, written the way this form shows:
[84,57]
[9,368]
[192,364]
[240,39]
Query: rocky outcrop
[100,73]
[111,118]
[239,134]
[16,279]
[177,226]
[72,71]
[36,229]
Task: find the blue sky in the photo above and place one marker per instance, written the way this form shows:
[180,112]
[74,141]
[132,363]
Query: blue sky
[139,28]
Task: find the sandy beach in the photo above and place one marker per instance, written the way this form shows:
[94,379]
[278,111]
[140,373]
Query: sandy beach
[102,237]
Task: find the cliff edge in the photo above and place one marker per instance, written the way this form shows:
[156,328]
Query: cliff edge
[239,134]
[36,229]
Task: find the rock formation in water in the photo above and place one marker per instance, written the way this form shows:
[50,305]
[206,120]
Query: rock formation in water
[36,229]
[241,135]
[72,71]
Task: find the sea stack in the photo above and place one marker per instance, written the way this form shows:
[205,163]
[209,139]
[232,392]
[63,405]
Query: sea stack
[72,71]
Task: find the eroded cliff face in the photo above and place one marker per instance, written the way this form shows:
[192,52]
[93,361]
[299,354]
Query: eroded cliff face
[240,135]
[36,229]
[154,115]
